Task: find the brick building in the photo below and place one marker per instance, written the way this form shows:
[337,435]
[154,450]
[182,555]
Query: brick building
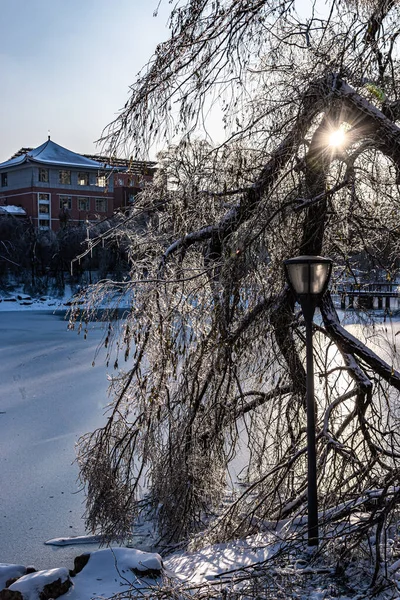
[57,187]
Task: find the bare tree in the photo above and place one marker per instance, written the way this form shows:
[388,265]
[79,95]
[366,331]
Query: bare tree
[213,346]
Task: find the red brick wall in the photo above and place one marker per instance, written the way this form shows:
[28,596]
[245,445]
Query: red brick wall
[28,200]
[125,184]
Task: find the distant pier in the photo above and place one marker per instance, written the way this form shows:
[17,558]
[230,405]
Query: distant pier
[373,296]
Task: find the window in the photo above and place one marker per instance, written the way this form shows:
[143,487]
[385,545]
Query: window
[101,204]
[66,202]
[4,180]
[83,178]
[101,180]
[131,198]
[44,209]
[83,203]
[64,177]
[43,175]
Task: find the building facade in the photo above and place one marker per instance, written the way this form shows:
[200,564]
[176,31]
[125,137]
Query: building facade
[58,188]
[130,177]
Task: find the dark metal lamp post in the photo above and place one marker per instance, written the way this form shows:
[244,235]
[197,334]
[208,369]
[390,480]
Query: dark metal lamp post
[308,276]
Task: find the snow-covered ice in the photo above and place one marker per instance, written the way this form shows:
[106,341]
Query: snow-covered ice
[50,395]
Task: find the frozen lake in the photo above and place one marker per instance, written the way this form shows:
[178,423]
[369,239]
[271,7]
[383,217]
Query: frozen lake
[49,395]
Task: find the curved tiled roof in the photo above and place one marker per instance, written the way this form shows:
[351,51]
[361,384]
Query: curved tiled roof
[51,153]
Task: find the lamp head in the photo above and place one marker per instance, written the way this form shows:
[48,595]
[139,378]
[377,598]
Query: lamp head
[308,276]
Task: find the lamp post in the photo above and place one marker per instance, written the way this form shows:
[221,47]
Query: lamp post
[308,276]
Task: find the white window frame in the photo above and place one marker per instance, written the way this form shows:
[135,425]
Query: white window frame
[44,198]
[100,200]
[83,176]
[86,199]
[101,180]
[43,170]
[43,224]
[64,174]
[65,199]
[45,214]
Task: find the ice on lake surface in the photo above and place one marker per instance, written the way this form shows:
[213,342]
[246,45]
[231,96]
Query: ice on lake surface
[49,395]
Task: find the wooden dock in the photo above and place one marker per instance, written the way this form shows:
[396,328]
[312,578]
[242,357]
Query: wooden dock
[375,295]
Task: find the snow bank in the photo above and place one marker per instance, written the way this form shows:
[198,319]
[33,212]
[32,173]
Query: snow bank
[32,585]
[75,540]
[9,572]
[19,301]
[12,210]
[24,302]
[115,570]
[204,565]
[107,572]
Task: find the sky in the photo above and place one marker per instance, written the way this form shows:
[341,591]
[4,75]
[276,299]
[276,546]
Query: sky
[66,67]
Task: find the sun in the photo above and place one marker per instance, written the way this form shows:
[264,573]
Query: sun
[337,138]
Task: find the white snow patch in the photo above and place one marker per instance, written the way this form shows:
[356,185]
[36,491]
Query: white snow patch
[205,564]
[24,302]
[12,210]
[75,540]
[9,572]
[18,301]
[109,571]
[32,584]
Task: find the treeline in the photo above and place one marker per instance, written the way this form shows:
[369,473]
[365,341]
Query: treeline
[41,260]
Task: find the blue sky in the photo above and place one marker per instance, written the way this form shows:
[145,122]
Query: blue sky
[66,66]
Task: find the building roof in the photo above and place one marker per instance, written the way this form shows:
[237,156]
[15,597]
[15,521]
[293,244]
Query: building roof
[12,210]
[117,164]
[136,167]
[51,153]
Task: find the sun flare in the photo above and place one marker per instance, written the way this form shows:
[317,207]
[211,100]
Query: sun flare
[337,138]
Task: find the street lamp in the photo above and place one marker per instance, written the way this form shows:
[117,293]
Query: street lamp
[308,276]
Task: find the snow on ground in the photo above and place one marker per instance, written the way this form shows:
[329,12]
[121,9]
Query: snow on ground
[204,565]
[108,572]
[9,572]
[130,573]
[19,301]
[112,571]
[50,395]
[31,585]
